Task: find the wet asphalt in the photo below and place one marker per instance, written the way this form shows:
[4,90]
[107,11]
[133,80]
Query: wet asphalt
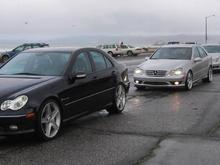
[158,127]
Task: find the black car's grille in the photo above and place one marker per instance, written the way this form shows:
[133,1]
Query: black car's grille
[156,73]
[156,83]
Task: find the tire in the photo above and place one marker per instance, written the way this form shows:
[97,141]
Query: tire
[111,54]
[209,77]
[49,120]
[119,100]
[189,81]
[130,53]
[5,58]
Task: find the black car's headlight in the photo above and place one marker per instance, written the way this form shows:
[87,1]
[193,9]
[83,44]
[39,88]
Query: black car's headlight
[15,104]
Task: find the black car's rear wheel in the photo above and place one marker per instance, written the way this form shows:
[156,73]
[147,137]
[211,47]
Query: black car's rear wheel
[119,100]
[49,120]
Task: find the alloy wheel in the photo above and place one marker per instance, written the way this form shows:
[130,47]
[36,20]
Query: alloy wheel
[120,97]
[50,119]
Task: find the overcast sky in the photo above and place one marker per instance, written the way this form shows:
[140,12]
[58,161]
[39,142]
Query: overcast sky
[107,17]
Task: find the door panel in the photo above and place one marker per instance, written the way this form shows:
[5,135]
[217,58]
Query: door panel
[77,97]
[104,78]
[197,66]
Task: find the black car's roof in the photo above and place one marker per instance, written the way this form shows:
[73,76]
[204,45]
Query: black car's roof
[53,49]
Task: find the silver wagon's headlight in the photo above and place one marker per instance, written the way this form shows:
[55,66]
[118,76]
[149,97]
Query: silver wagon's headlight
[176,72]
[15,104]
[138,71]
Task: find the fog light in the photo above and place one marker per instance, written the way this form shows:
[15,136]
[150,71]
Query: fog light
[176,83]
[13,127]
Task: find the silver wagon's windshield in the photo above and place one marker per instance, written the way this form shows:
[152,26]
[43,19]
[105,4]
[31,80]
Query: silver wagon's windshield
[42,64]
[177,53]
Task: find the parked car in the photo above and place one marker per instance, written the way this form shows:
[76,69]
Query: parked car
[111,49]
[8,54]
[40,89]
[214,51]
[123,49]
[174,66]
[130,50]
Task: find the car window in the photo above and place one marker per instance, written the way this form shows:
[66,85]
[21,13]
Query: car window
[27,47]
[99,60]
[124,46]
[202,52]
[82,64]
[108,62]
[196,53]
[213,49]
[35,46]
[19,49]
[173,53]
[44,64]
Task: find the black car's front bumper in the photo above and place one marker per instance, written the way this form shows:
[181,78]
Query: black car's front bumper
[17,124]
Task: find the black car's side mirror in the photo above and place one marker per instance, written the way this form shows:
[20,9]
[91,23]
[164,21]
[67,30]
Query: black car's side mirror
[79,75]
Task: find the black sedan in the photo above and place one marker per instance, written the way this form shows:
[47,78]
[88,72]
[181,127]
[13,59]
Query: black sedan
[40,89]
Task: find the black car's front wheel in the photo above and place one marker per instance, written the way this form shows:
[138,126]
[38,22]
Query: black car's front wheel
[49,120]
[119,100]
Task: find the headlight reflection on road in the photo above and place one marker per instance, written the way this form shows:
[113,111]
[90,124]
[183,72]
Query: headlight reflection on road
[175,103]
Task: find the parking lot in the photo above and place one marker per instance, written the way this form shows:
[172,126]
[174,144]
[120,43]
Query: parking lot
[158,126]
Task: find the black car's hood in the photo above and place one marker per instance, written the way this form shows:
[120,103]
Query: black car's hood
[12,84]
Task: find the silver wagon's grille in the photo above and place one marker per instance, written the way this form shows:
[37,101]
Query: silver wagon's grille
[156,73]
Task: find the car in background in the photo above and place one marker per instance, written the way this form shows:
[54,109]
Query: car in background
[40,89]
[112,49]
[174,66]
[130,50]
[214,51]
[121,49]
[8,54]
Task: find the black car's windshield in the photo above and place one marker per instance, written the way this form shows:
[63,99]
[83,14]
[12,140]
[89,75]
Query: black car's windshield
[42,64]
[212,49]
[177,53]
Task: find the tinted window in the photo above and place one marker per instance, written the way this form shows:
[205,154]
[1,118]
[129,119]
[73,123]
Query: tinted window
[212,49]
[202,52]
[108,62]
[82,64]
[44,64]
[19,49]
[27,47]
[99,60]
[196,53]
[176,53]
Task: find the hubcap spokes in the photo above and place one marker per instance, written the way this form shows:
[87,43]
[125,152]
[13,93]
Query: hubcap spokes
[120,98]
[190,81]
[50,120]
[210,75]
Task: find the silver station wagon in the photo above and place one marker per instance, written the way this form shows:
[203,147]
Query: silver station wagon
[174,66]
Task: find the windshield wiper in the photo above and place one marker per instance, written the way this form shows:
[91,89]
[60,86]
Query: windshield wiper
[26,73]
